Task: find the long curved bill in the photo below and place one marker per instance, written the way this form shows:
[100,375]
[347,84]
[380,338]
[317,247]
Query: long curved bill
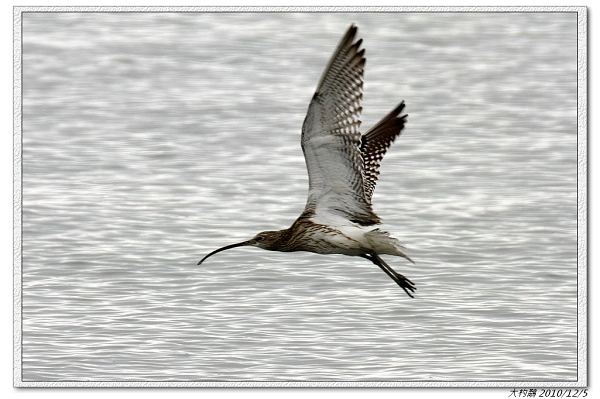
[240,244]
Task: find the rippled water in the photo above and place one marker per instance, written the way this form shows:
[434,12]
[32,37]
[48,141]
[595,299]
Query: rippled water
[151,139]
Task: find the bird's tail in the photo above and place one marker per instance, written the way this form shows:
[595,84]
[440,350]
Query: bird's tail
[383,243]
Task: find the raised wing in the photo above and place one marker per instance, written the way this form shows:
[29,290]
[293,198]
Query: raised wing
[376,142]
[331,140]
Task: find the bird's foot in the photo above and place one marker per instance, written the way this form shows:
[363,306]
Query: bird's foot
[407,285]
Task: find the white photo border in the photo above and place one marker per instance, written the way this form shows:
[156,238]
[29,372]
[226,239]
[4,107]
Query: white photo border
[582,200]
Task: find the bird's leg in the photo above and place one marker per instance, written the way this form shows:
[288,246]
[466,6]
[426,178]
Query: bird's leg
[404,283]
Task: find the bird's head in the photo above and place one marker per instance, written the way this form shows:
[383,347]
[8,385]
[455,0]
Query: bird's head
[269,240]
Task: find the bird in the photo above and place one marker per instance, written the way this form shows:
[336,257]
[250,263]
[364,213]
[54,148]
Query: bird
[343,169]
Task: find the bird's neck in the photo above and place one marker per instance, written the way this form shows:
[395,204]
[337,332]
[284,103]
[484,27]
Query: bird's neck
[285,241]
[298,236]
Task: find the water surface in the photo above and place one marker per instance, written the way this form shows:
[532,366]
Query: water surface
[151,139]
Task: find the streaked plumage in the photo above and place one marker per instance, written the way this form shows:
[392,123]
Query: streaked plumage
[343,167]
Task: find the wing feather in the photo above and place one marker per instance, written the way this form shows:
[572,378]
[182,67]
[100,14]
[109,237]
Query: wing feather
[375,144]
[331,140]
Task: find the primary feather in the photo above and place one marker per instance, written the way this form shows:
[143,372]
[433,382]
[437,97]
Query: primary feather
[342,164]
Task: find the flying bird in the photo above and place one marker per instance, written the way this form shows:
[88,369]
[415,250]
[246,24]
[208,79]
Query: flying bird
[343,167]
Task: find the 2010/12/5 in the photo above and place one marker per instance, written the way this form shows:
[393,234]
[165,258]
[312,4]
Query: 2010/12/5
[563,393]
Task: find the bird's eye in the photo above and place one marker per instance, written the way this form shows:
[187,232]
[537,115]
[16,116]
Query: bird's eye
[260,238]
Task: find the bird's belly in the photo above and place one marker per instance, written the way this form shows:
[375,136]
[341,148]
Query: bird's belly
[334,241]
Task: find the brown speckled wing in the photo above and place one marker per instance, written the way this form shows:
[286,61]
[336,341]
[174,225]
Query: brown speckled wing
[331,139]
[375,144]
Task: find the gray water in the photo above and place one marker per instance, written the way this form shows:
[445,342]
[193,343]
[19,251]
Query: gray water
[151,139]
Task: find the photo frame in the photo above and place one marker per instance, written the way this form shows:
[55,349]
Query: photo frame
[147,137]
